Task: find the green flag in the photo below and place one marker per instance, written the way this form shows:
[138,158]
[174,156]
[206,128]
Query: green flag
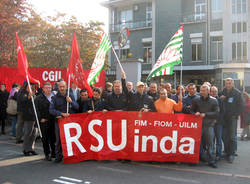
[171,55]
[98,63]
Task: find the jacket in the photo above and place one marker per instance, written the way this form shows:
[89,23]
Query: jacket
[137,101]
[234,102]
[42,107]
[220,117]
[59,105]
[116,102]
[155,96]
[99,104]
[209,106]
[3,103]
[187,103]
[83,105]
[27,107]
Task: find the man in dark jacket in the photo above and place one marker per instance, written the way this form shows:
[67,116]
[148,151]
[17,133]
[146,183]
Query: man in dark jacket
[47,121]
[28,113]
[4,94]
[96,103]
[138,101]
[20,122]
[187,100]
[206,107]
[234,103]
[117,100]
[58,108]
[83,101]
[153,92]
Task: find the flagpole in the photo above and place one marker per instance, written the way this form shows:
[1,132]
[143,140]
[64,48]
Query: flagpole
[118,60]
[34,107]
[68,94]
[181,75]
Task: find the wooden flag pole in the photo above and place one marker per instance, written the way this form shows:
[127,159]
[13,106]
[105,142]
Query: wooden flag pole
[118,60]
[34,107]
[68,94]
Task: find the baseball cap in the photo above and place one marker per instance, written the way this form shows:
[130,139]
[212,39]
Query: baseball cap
[140,84]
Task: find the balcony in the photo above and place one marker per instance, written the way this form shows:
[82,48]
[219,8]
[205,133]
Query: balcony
[194,18]
[131,25]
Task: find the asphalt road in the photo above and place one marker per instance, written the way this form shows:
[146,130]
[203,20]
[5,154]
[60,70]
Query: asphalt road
[17,169]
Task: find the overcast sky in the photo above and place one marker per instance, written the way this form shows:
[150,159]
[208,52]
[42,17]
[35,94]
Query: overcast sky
[84,10]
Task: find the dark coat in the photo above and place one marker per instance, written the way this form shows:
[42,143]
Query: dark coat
[187,103]
[83,105]
[234,103]
[27,107]
[59,105]
[209,106]
[99,104]
[42,107]
[155,96]
[116,102]
[137,101]
[220,117]
[3,103]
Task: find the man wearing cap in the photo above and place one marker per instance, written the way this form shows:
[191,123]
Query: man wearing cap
[167,105]
[138,101]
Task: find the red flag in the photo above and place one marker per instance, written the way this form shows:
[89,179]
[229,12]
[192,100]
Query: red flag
[75,69]
[22,63]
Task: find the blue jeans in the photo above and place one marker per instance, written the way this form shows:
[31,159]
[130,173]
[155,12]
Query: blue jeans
[218,128]
[13,123]
[207,143]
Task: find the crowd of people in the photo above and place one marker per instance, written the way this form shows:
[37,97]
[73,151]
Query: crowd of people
[220,111]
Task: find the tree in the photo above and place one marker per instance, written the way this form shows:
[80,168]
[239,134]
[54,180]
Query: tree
[47,41]
[12,12]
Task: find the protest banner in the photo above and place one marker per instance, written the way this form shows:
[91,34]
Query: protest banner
[126,135]
[9,75]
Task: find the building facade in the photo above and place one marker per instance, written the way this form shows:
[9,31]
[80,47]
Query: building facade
[216,38]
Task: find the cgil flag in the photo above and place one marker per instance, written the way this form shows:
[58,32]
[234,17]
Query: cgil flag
[22,62]
[171,55]
[97,66]
[75,70]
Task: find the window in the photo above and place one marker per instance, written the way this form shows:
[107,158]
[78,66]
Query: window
[216,9]
[200,9]
[149,14]
[216,48]
[147,56]
[234,27]
[196,52]
[244,51]
[124,53]
[126,16]
[239,27]
[239,51]
[244,27]
[239,6]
